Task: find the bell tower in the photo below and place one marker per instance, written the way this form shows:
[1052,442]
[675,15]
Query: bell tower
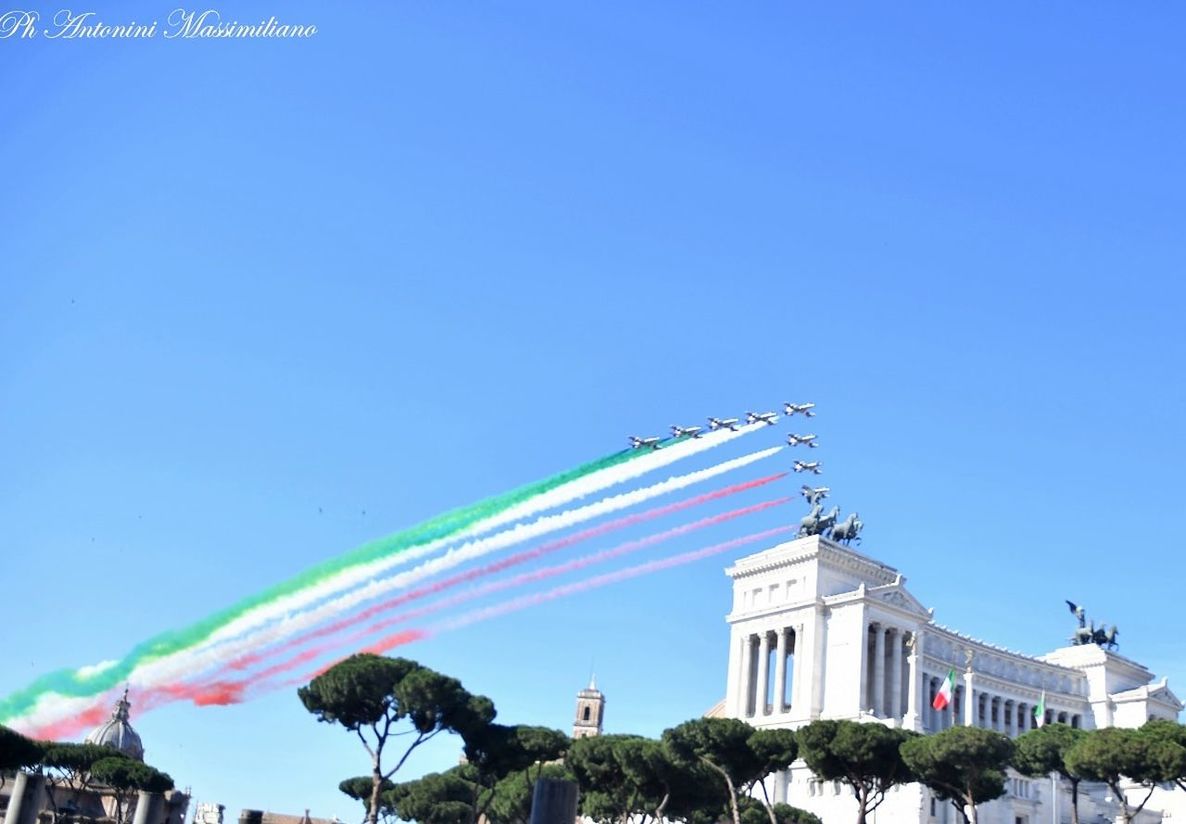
[590,711]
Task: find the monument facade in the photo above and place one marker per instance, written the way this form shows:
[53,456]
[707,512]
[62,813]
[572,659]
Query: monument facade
[819,630]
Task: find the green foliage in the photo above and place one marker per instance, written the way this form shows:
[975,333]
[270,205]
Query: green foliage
[1173,756]
[1147,756]
[498,750]
[75,758]
[738,754]
[607,793]
[437,798]
[368,689]
[961,764]
[513,795]
[359,788]
[374,697]
[1044,750]
[1109,754]
[866,757]
[125,774]
[754,812]
[17,751]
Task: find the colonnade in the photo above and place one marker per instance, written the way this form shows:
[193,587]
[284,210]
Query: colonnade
[767,690]
[988,710]
[887,676]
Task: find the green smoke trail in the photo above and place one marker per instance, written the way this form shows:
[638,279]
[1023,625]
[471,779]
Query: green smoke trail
[73,684]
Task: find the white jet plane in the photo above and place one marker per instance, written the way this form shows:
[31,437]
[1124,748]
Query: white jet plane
[805,408]
[802,440]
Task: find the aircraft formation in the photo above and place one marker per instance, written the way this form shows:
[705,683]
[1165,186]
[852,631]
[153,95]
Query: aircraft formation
[768,418]
[817,522]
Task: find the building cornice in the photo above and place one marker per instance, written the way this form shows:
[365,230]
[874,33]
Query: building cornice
[813,547]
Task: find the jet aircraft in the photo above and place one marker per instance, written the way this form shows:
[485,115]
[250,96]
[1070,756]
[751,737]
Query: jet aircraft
[770,418]
[802,440]
[805,408]
[686,431]
[723,423]
[639,443]
[814,494]
[809,466]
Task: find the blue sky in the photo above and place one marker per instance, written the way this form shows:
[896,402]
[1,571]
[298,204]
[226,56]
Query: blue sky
[443,249]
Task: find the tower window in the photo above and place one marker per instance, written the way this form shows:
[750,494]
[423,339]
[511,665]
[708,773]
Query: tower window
[585,717]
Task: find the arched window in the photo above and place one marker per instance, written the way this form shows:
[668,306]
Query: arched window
[588,710]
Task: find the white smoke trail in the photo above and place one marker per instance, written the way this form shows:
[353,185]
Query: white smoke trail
[561,495]
[188,663]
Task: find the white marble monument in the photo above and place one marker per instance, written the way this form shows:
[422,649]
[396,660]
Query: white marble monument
[818,630]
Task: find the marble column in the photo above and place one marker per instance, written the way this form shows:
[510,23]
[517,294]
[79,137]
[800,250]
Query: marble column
[763,673]
[970,705]
[879,634]
[734,683]
[895,710]
[751,675]
[914,705]
[815,678]
[27,799]
[780,672]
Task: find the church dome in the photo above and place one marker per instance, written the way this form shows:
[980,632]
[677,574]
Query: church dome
[117,733]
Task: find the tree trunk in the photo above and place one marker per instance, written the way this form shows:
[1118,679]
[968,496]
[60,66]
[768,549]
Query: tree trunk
[1122,800]
[732,798]
[971,819]
[376,788]
[862,803]
[1074,801]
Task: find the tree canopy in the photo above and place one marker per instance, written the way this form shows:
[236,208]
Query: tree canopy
[724,746]
[1044,750]
[964,765]
[17,751]
[1144,756]
[374,697]
[1173,756]
[866,757]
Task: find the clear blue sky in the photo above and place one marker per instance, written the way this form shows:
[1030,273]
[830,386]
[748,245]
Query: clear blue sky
[442,249]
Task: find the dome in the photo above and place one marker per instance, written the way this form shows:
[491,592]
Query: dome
[117,733]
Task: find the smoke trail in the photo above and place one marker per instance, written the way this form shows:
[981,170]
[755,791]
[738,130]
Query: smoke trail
[221,691]
[252,658]
[190,662]
[257,682]
[603,580]
[50,695]
[398,639]
[579,487]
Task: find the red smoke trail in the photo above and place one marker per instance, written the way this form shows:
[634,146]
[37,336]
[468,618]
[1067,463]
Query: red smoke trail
[516,604]
[496,586]
[222,692]
[252,658]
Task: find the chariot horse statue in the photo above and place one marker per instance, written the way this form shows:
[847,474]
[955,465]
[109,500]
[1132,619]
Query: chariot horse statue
[809,523]
[848,530]
[826,522]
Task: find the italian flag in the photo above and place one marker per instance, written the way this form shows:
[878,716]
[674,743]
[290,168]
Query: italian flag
[1040,711]
[943,696]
